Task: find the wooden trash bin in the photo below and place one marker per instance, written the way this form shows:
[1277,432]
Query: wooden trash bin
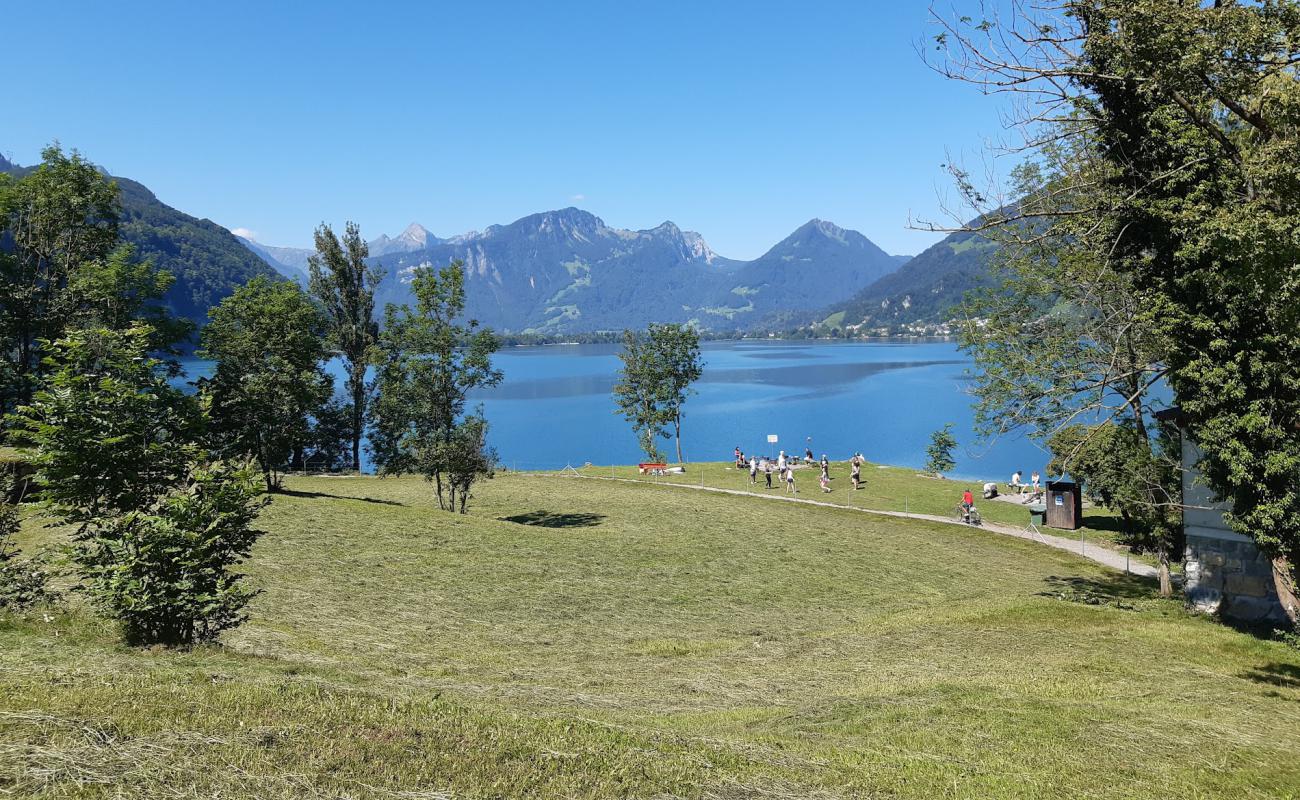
[1064,505]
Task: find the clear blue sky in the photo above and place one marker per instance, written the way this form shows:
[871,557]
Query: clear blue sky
[738,120]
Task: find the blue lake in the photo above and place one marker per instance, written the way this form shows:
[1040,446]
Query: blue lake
[883,399]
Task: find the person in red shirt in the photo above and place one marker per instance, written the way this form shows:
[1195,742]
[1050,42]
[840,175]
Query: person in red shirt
[967,502]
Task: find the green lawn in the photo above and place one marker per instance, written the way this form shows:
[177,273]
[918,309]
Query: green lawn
[885,488]
[576,638]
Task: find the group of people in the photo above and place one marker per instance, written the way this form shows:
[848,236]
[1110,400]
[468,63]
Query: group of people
[1034,487]
[1015,486]
[783,466]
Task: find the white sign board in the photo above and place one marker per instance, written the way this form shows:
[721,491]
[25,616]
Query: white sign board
[771,438]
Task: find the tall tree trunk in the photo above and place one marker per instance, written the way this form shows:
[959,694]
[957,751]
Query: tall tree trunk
[1284,580]
[1166,585]
[358,418]
[677,431]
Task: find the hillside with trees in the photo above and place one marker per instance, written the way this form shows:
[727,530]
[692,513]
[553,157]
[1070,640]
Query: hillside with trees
[207,261]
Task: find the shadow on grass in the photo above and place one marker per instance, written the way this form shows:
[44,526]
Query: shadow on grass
[545,519]
[1106,589]
[1286,676]
[294,493]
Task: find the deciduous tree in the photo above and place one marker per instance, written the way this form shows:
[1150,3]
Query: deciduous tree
[430,362]
[345,285]
[268,340]
[60,216]
[938,454]
[659,370]
[107,432]
[1188,115]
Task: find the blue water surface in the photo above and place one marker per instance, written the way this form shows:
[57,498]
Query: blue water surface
[882,399]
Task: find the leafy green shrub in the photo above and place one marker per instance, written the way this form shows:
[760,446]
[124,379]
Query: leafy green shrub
[156,532]
[165,572]
[1290,638]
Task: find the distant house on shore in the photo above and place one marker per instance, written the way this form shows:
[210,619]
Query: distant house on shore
[1224,572]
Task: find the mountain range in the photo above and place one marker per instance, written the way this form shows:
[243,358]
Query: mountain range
[567,271]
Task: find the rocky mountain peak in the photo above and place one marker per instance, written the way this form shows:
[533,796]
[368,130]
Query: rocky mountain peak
[417,234]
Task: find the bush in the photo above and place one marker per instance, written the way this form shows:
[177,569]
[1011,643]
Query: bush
[156,529]
[165,572]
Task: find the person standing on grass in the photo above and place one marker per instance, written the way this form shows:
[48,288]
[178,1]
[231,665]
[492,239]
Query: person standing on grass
[753,470]
[780,462]
[789,480]
[855,472]
[767,473]
[825,482]
[826,468]
[967,503]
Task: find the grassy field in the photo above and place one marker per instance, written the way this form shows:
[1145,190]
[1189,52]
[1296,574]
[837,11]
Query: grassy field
[575,638]
[884,488]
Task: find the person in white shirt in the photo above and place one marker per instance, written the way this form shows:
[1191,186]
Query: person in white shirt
[780,461]
[1015,482]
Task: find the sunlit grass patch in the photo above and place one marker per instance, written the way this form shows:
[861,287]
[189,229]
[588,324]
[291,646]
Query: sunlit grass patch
[579,638]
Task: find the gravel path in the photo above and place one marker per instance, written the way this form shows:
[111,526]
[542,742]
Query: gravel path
[1094,552]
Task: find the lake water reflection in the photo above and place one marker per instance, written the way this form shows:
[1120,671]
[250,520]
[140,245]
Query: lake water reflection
[881,398]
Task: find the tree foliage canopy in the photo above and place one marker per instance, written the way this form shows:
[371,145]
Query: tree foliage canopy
[268,341]
[429,364]
[61,268]
[1181,121]
[157,529]
[938,454]
[345,286]
[659,369]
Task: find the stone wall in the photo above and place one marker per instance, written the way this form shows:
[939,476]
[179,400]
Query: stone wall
[1232,578]
[1224,572]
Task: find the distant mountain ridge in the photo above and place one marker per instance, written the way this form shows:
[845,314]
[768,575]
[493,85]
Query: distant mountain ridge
[208,261]
[925,290]
[567,271]
[291,262]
